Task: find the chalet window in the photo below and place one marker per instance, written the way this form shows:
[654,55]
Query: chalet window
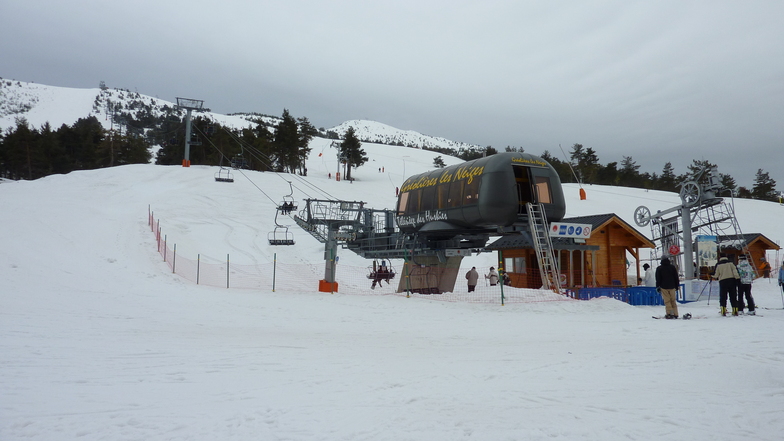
[515,265]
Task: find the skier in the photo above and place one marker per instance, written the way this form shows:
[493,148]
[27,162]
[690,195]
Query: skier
[472,276]
[781,276]
[667,282]
[746,273]
[649,279]
[727,275]
[492,277]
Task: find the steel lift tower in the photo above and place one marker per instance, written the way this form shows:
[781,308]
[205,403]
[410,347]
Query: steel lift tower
[701,210]
[189,105]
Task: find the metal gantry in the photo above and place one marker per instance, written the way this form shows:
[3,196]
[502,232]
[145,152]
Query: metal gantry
[701,210]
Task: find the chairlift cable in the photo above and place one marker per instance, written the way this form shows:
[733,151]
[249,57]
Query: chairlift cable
[240,170]
[268,163]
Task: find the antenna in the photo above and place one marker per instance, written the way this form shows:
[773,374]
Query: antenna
[582,190]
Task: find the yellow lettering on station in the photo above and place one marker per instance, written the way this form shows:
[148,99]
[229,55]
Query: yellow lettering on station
[530,161]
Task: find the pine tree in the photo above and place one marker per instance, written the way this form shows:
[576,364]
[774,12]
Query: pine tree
[629,174]
[287,143]
[668,178]
[608,175]
[563,168]
[306,132]
[764,187]
[728,182]
[351,150]
[16,147]
[586,163]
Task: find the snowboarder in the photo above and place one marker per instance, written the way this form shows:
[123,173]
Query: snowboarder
[727,275]
[746,273]
[472,276]
[667,282]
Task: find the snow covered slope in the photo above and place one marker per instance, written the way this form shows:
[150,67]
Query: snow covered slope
[99,340]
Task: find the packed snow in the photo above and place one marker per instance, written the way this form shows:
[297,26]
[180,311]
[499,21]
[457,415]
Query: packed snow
[100,341]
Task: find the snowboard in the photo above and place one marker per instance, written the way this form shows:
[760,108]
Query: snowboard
[686,316]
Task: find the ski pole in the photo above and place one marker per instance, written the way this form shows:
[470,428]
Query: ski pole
[709,290]
[703,291]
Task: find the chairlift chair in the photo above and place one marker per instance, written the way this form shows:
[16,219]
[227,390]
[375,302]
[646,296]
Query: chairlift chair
[288,204]
[281,234]
[238,162]
[224,175]
[380,273]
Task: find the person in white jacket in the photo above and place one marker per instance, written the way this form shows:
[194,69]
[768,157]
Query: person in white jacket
[746,272]
[492,277]
[649,279]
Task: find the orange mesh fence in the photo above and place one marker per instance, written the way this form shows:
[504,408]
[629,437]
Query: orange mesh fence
[282,276]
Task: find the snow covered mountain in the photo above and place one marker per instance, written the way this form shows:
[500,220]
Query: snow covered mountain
[39,104]
[372,131]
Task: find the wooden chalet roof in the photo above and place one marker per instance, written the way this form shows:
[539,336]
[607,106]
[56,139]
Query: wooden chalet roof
[523,241]
[598,221]
[750,238]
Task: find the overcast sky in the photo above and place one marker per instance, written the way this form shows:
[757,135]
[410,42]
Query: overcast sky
[656,80]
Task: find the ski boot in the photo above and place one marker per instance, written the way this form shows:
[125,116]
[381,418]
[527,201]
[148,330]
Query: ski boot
[735,312]
[723,311]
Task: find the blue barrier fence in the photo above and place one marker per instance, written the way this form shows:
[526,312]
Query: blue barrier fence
[633,295]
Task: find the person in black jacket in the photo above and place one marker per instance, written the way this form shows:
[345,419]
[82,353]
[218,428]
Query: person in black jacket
[667,282]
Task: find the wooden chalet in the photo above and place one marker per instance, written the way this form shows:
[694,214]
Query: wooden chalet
[597,261]
[757,243]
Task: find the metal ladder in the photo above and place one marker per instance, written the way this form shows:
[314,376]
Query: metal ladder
[722,222]
[540,234]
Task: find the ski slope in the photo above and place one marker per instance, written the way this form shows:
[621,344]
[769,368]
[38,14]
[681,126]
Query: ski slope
[100,341]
